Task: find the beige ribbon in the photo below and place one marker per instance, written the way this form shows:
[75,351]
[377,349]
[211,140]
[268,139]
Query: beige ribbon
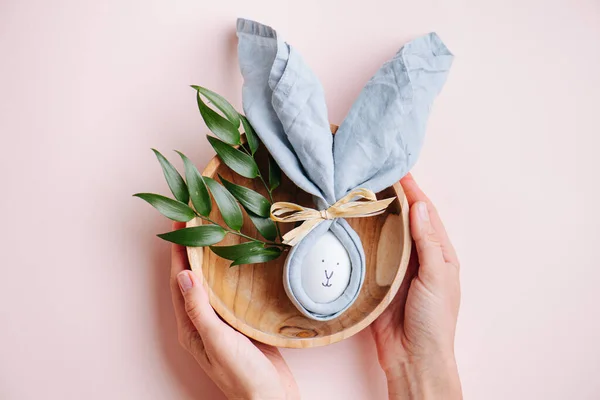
[359,203]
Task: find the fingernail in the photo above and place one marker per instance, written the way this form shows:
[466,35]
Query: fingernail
[184,280]
[422,211]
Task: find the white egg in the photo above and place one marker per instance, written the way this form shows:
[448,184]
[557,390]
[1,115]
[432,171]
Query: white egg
[326,269]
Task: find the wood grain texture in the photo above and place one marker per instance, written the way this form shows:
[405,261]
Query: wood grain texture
[251,298]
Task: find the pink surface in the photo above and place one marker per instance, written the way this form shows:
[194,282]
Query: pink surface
[511,159]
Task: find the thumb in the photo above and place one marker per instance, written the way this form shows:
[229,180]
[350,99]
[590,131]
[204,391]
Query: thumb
[426,239]
[197,305]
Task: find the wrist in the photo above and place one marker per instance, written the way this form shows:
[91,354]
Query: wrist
[424,379]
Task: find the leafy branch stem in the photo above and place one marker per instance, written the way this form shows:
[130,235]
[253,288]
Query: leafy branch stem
[269,191]
[271,200]
[239,233]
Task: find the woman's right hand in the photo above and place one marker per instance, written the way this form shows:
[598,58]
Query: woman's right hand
[415,334]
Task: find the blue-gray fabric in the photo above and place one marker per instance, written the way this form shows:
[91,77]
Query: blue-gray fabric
[292,274]
[381,138]
[376,145]
[285,103]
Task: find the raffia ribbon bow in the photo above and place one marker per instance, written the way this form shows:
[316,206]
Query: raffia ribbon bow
[359,203]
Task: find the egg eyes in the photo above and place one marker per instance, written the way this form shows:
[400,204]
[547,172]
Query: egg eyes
[335,263]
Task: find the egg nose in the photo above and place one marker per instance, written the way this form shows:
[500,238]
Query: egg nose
[327,278]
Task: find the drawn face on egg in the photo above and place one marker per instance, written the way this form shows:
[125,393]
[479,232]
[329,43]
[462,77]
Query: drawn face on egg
[326,269]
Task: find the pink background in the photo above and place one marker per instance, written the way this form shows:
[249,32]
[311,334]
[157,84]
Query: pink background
[511,160]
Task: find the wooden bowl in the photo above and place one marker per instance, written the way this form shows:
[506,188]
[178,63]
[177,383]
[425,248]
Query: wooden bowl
[251,298]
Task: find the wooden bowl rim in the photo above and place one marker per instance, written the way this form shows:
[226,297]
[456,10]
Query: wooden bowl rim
[196,259]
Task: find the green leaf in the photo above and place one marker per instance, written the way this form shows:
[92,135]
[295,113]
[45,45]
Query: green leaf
[174,180]
[219,101]
[250,135]
[265,226]
[236,251]
[274,174]
[196,186]
[230,210]
[240,162]
[197,236]
[258,256]
[252,201]
[172,209]
[217,124]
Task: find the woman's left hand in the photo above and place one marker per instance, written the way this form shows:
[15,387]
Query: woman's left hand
[242,369]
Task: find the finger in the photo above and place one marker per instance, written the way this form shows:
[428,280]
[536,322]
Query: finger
[197,305]
[411,190]
[179,262]
[426,239]
[414,194]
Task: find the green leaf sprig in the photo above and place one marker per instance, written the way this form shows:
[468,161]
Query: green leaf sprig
[224,123]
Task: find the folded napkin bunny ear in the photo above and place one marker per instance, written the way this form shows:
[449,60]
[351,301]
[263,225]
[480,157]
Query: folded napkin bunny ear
[380,139]
[285,103]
